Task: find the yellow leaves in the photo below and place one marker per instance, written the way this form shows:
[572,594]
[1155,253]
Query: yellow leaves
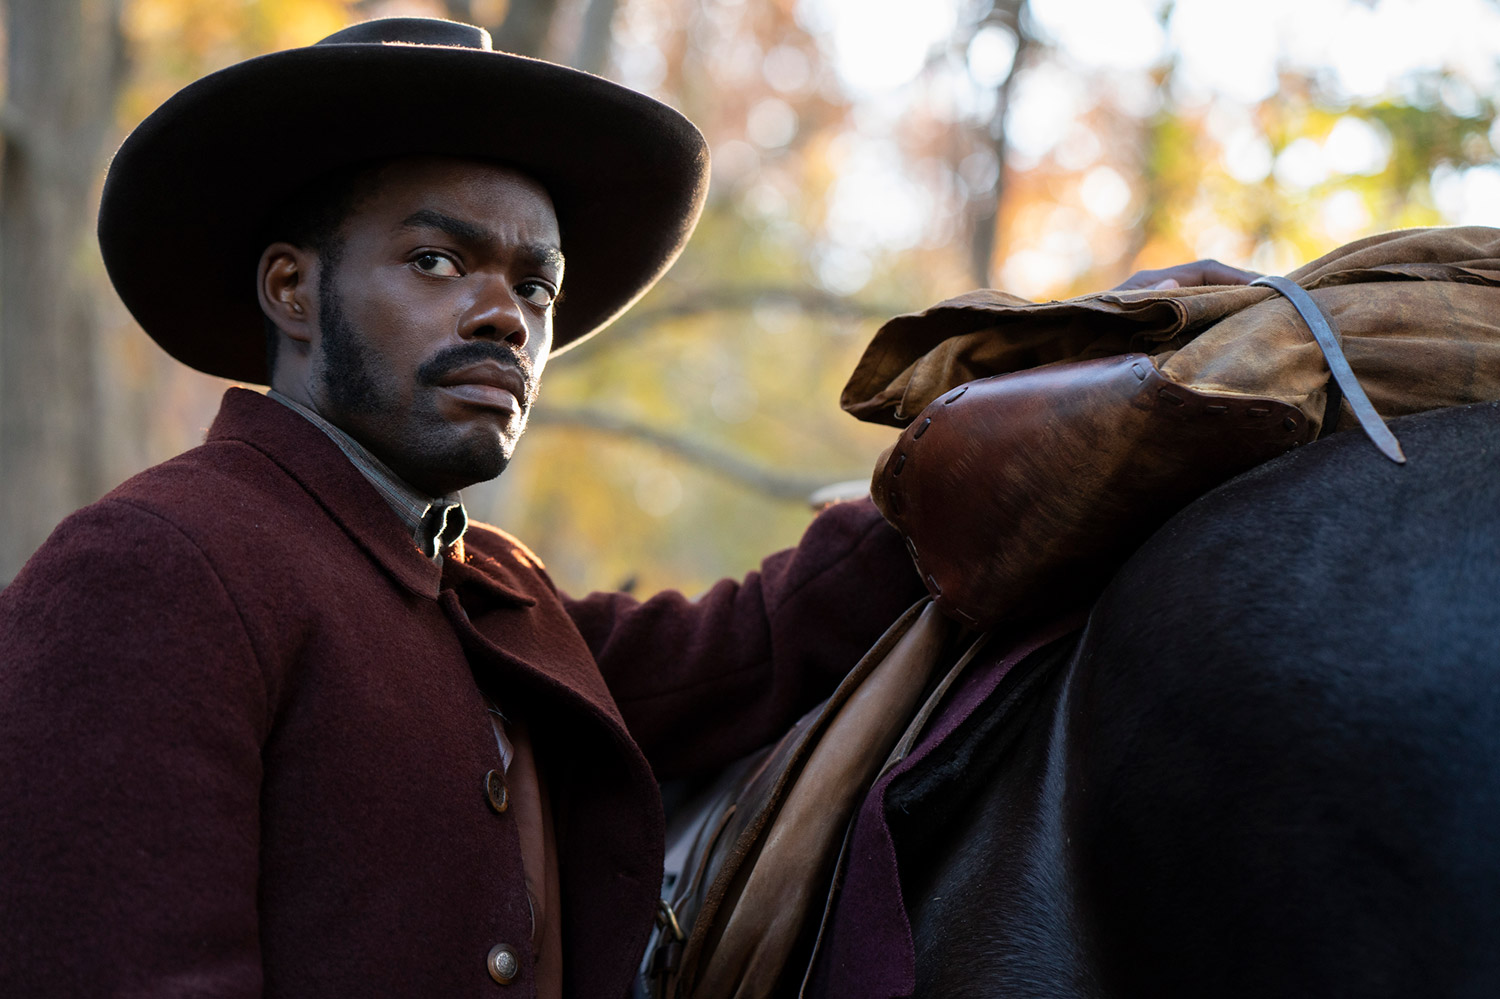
[282,24]
[1135,176]
[145,20]
[209,31]
[173,42]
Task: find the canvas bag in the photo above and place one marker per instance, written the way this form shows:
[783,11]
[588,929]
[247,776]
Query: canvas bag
[1085,423]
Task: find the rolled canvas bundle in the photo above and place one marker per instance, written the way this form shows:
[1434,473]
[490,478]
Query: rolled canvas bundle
[1044,441]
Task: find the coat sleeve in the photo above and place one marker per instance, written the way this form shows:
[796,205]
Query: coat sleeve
[702,682]
[132,712]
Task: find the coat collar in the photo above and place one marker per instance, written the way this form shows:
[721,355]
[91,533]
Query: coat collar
[315,462]
[434,522]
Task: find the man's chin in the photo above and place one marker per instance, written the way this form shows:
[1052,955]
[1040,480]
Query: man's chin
[459,454]
[472,460]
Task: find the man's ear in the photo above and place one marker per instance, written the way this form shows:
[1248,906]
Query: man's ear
[287,282]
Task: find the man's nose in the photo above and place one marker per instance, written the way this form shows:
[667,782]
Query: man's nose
[496,314]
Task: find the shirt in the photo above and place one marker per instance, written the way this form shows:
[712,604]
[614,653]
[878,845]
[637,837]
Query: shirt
[435,523]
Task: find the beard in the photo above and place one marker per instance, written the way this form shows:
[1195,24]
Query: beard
[352,380]
[413,438]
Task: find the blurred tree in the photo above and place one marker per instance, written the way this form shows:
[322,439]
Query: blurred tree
[870,157]
[526,26]
[521,26]
[592,53]
[983,209]
[683,443]
[64,65]
[1129,162]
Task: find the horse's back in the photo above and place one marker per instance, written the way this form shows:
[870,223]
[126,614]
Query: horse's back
[1283,731]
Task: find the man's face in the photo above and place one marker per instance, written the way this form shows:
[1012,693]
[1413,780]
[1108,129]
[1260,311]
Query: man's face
[435,320]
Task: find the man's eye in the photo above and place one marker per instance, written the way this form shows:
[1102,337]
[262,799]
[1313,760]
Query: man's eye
[537,293]
[437,264]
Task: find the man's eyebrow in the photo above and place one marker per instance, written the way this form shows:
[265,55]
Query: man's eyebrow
[541,254]
[427,218]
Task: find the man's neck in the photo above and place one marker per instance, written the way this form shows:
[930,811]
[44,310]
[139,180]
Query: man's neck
[435,522]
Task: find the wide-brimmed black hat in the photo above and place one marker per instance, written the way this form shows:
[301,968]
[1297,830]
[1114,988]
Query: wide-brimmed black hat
[190,190]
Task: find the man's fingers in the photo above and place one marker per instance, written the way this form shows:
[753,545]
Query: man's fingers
[1214,272]
[1193,275]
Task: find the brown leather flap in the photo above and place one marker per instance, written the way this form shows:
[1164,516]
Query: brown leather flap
[1021,493]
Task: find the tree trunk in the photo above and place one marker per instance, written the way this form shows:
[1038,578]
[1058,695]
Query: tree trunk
[526,26]
[598,30]
[985,208]
[64,64]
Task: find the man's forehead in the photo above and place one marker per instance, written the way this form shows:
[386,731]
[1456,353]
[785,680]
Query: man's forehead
[463,196]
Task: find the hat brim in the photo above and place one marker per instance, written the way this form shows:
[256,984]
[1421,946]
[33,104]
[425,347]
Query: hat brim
[190,190]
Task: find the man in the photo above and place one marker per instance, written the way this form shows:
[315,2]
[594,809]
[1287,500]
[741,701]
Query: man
[275,719]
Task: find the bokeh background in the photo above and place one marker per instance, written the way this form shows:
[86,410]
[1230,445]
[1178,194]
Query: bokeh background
[870,157]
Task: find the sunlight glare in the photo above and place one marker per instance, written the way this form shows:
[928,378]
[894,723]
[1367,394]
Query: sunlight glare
[879,45]
[1112,34]
[1047,99]
[843,270]
[873,204]
[1033,273]
[1370,47]
[1468,197]
[1345,215]
[1355,146]
[771,123]
[787,69]
[1301,165]
[1247,156]
[1104,193]
[991,54]
[1225,51]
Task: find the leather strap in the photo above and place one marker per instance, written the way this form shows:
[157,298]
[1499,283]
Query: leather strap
[768,875]
[909,738]
[1338,365]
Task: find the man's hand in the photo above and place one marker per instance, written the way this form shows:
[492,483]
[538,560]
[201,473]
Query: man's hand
[1200,272]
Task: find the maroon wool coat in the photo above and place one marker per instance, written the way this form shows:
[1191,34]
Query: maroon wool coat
[243,741]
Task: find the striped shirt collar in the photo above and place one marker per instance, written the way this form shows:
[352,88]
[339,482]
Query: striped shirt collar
[435,524]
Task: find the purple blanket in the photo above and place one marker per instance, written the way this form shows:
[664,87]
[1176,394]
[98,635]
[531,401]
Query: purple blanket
[868,952]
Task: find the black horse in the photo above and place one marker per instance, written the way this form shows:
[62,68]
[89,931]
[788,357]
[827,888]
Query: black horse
[1270,766]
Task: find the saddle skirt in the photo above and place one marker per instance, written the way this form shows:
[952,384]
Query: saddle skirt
[751,860]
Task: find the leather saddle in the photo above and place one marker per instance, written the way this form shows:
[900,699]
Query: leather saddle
[751,860]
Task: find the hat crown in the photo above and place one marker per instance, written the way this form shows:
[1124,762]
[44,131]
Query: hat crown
[213,151]
[413,31]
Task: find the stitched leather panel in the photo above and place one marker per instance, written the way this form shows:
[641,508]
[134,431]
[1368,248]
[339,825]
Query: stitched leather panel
[1020,493]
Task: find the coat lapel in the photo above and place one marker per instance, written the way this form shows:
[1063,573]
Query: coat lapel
[515,620]
[306,454]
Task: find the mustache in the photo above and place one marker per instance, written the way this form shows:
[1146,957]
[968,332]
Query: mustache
[452,359]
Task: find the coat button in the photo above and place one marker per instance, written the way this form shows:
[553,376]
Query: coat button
[495,790]
[503,964]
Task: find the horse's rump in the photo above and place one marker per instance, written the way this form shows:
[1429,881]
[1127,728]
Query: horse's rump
[1273,765]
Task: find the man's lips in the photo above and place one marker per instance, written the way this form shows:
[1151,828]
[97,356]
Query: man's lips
[487,383]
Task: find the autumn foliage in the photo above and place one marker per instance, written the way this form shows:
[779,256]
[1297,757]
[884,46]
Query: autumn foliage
[870,158]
